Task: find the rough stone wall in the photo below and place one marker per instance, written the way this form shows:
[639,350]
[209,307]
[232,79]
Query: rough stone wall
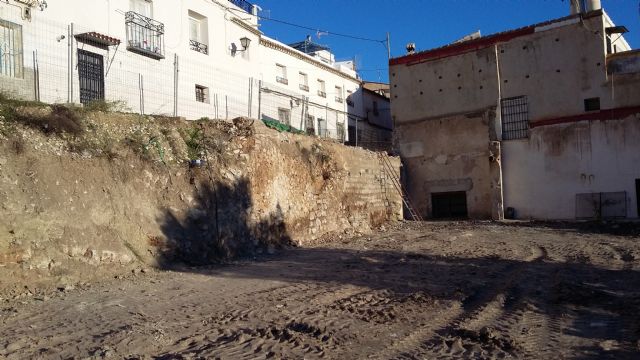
[69,213]
[453,154]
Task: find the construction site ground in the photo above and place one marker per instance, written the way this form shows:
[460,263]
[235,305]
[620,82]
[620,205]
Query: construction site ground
[410,291]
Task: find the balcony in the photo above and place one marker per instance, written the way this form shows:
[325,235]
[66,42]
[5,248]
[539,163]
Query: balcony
[322,94]
[145,36]
[199,47]
[304,87]
[243,4]
[282,80]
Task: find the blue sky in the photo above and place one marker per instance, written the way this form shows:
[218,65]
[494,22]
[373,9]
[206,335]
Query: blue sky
[428,23]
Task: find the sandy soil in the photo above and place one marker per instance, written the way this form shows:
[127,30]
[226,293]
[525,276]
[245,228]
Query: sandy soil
[433,290]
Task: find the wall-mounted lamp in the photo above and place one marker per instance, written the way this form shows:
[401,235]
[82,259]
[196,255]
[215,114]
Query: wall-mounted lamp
[245,42]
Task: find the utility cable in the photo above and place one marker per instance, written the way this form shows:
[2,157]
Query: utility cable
[323,31]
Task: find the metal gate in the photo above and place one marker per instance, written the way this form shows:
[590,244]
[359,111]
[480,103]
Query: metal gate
[91,71]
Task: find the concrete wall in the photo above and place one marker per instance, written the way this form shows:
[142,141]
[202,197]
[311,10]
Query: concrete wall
[543,174]
[438,160]
[383,116]
[556,65]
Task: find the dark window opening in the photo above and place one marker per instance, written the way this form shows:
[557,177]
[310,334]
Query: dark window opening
[515,118]
[592,104]
[202,94]
[449,205]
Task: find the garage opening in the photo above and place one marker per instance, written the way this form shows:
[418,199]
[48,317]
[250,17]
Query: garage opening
[449,205]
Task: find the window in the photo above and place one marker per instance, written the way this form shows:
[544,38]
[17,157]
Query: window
[145,36]
[142,7]
[322,127]
[202,94]
[515,118]
[322,88]
[340,131]
[310,126]
[198,33]
[376,111]
[339,94]
[304,82]
[281,74]
[10,49]
[284,116]
[592,104]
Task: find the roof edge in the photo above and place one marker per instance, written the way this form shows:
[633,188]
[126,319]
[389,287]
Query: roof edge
[483,42]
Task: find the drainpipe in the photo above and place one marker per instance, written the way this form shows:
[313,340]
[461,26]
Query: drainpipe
[499,104]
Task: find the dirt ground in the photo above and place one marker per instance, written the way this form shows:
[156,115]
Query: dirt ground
[413,291]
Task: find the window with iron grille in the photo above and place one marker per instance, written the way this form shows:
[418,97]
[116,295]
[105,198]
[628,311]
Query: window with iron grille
[515,118]
[284,116]
[10,49]
[202,94]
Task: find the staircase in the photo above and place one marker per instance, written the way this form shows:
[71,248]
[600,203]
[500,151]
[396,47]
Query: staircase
[387,169]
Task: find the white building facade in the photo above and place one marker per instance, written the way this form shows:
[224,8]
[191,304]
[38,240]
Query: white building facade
[191,58]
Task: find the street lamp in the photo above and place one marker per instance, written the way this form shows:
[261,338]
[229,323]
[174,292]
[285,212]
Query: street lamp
[245,42]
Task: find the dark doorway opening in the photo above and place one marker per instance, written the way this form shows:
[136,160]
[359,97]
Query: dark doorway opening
[449,205]
[638,195]
[91,72]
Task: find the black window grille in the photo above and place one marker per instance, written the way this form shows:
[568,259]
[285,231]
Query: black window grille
[201,94]
[515,118]
[91,73]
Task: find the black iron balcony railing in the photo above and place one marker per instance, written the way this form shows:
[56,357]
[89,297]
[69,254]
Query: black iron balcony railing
[243,4]
[145,36]
[282,80]
[304,87]
[339,99]
[199,47]
[350,102]
[322,94]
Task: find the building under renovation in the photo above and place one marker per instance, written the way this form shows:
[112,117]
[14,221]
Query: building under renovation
[539,122]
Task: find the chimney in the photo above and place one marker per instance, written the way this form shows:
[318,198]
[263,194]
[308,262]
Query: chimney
[584,6]
[592,5]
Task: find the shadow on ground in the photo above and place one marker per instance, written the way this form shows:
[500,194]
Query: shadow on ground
[600,303]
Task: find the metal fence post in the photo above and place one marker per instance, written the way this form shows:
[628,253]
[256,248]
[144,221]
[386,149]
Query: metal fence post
[175,85]
[259,99]
[141,90]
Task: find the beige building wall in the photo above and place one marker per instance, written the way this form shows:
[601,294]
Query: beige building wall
[443,103]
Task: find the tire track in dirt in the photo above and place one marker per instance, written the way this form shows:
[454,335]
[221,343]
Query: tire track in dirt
[471,334]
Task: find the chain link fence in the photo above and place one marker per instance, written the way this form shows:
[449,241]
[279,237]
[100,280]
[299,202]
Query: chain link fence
[68,63]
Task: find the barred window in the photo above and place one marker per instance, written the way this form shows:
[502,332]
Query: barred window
[10,49]
[284,116]
[202,94]
[515,118]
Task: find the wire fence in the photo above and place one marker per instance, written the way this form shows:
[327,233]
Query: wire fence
[69,63]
